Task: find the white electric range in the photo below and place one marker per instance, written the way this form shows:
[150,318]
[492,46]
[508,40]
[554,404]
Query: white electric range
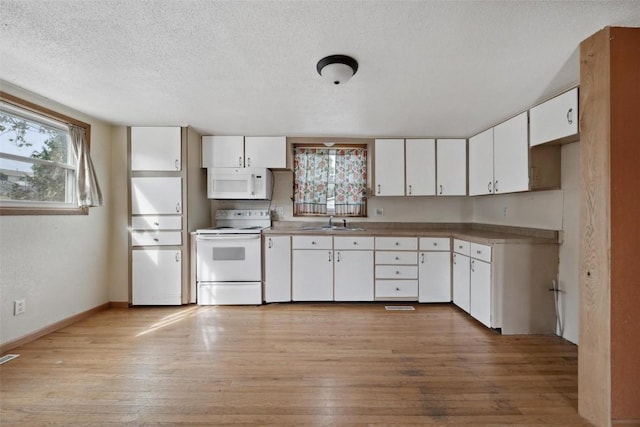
[229,258]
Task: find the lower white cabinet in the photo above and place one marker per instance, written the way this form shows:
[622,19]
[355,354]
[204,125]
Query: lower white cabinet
[434,270]
[480,300]
[353,268]
[156,277]
[461,281]
[312,268]
[396,273]
[277,269]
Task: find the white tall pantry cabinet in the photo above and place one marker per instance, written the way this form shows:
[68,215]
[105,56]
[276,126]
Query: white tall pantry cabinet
[167,200]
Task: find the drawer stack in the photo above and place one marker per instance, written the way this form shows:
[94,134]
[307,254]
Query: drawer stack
[396,272]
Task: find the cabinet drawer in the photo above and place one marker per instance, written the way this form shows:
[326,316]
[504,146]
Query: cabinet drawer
[346,242]
[397,243]
[396,288]
[462,247]
[156,238]
[435,244]
[396,257]
[149,222]
[396,272]
[482,252]
[311,242]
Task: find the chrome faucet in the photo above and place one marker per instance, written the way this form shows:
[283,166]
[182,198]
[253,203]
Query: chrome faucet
[330,221]
[344,222]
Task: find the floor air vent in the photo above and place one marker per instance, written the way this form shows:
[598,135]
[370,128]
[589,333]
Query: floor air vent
[398,307]
[8,357]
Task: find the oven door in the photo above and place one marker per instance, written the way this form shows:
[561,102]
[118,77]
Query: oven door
[228,258]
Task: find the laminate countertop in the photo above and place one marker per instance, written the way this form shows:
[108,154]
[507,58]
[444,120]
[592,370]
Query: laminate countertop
[477,233]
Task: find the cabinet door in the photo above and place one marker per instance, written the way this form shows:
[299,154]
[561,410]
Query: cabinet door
[555,119]
[511,155]
[461,281]
[277,269]
[156,195]
[223,151]
[389,167]
[480,292]
[156,148]
[420,164]
[265,152]
[481,163]
[156,277]
[353,272]
[312,275]
[452,167]
[434,277]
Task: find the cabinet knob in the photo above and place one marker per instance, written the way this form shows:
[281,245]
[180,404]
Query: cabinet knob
[240,161]
[397,243]
[397,289]
[435,243]
[397,258]
[156,239]
[478,252]
[355,243]
[313,242]
[397,272]
[156,223]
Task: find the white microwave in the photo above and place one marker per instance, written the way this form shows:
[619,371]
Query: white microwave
[239,183]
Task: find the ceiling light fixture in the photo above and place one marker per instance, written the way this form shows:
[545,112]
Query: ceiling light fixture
[337,69]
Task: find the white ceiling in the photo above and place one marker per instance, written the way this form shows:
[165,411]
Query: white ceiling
[427,68]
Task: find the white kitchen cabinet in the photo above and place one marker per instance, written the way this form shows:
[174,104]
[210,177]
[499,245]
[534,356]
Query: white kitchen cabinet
[155,222]
[461,280]
[451,159]
[481,163]
[420,167]
[511,155]
[156,277]
[434,269]
[353,268]
[240,151]
[156,238]
[396,268]
[265,152]
[555,119]
[277,269]
[156,148]
[156,195]
[223,151]
[499,158]
[389,167]
[480,298]
[312,268]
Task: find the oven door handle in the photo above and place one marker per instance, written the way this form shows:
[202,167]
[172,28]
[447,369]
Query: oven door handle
[227,237]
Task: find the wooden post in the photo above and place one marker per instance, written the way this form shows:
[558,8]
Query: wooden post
[609,372]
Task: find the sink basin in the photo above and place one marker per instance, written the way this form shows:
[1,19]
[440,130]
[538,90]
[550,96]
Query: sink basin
[332,228]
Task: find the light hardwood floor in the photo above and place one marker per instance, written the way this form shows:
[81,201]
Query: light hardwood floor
[289,364]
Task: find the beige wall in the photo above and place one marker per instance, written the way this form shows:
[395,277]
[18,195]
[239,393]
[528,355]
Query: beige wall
[58,264]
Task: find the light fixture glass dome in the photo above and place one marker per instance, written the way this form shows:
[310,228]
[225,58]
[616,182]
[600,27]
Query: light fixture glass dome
[337,69]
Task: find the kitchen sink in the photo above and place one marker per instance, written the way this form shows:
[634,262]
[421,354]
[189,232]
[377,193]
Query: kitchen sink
[332,228]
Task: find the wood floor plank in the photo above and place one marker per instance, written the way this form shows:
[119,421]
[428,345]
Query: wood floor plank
[289,364]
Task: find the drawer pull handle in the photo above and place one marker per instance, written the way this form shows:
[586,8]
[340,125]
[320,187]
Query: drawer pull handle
[489,187]
[398,289]
[156,239]
[397,243]
[570,116]
[178,208]
[478,252]
[409,189]
[270,243]
[378,188]
[495,187]
[473,263]
[397,272]
[313,242]
[156,223]
[338,257]
[177,256]
[240,161]
[435,243]
[397,258]
[422,255]
[440,188]
[248,161]
[329,256]
[177,164]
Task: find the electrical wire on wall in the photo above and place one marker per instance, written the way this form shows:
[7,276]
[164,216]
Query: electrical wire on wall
[273,184]
[556,293]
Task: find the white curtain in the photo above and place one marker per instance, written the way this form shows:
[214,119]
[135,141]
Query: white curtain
[87,187]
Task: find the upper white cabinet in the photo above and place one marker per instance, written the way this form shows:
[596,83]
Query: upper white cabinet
[222,151]
[240,151]
[555,119]
[265,152]
[389,167]
[420,164]
[451,159]
[156,148]
[481,163]
[499,158]
[511,155]
[156,195]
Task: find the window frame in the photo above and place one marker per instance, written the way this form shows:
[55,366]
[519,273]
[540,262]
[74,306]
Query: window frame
[332,144]
[54,115]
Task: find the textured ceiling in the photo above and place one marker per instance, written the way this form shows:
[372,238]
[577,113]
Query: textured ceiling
[427,68]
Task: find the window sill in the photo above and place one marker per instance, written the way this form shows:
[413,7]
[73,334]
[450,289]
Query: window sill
[19,211]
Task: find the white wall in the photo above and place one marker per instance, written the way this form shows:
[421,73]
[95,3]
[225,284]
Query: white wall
[119,243]
[58,264]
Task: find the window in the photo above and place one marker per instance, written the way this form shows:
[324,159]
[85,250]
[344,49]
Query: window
[330,181]
[37,160]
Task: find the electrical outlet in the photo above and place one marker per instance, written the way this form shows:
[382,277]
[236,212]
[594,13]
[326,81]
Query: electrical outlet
[379,212]
[280,211]
[19,306]
[505,211]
